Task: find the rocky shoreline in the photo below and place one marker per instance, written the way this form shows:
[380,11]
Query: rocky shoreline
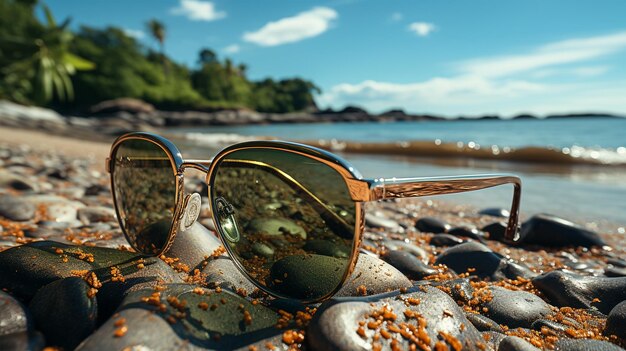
[431,276]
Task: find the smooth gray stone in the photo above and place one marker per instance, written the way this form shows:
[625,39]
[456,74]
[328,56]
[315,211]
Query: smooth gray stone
[552,231]
[514,343]
[460,288]
[194,245]
[471,233]
[64,211]
[495,212]
[64,312]
[376,275]
[573,290]
[494,338]
[483,323]
[327,248]
[487,264]
[558,327]
[219,328]
[445,240]
[276,226]
[334,325]
[615,272]
[262,250]
[566,344]
[408,264]
[16,182]
[96,214]
[16,209]
[408,247]
[27,341]
[14,317]
[616,321]
[431,225]
[382,222]
[515,308]
[221,271]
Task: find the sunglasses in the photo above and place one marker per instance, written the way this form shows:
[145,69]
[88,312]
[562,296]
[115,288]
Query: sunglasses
[290,215]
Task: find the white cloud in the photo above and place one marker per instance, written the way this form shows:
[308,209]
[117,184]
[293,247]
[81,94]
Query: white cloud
[304,25]
[505,84]
[562,52]
[397,16]
[232,49]
[197,10]
[135,33]
[423,29]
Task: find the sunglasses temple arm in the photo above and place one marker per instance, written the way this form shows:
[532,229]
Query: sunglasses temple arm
[390,188]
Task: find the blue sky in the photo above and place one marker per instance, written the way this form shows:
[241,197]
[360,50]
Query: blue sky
[442,57]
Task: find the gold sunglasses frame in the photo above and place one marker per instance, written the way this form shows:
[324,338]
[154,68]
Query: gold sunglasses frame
[361,190]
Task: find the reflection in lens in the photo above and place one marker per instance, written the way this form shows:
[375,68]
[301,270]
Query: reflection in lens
[288,219]
[145,193]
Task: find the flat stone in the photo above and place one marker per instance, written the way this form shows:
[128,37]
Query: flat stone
[327,248]
[194,245]
[64,312]
[616,321]
[514,343]
[376,275]
[400,245]
[96,214]
[335,324]
[13,316]
[552,231]
[515,308]
[16,209]
[408,264]
[615,271]
[486,263]
[566,344]
[431,225]
[482,323]
[573,290]
[495,212]
[466,232]
[445,240]
[276,226]
[382,222]
[496,230]
[16,182]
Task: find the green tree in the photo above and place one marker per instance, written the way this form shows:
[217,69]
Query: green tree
[157,30]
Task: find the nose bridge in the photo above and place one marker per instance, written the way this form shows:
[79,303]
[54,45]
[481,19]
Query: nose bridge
[202,166]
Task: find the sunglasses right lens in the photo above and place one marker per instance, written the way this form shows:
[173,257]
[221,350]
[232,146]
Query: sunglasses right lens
[144,188]
[288,220]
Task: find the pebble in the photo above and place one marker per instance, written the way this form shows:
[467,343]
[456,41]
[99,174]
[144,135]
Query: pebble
[64,312]
[573,290]
[16,209]
[616,322]
[276,226]
[552,231]
[192,246]
[327,248]
[408,264]
[495,212]
[221,271]
[335,324]
[514,343]
[16,182]
[471,233]
[515,308]
[486,263]
[408,247]
[373,221]
[483,323]
[13,316]
[566,344]
[496,230]
[612,271]
[445,240]
[376,275]
[96,214]
[431,225]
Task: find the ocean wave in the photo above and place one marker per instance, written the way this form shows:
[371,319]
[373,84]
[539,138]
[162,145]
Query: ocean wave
[573,155]
[218,139]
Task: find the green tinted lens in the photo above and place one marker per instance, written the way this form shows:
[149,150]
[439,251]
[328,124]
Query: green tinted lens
[286,218]
[145,193]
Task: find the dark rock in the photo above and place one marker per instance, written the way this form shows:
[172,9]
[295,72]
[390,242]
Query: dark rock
[408,247]
[515,308]
[496,230]
[276,226]
[514,343]
[557,327]
[334,326]
[382,222]
[221,271]
[16,209]
[547,230]
[431,225]
[566,344]
[616,262]
[445,240]
[211,321]
[471,233]
[408,264]
[376,275]
[16,182]
[615,272]
[96,214]
[493,338]
[64,313]
[13,316]
[483,323]
[22,341]
[487,264]
[495,212]
[616,322]
[307,276]
[459,289]
[194,245]
[327,248]
[573,290]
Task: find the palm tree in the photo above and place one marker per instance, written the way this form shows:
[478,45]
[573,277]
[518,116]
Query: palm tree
[157,30]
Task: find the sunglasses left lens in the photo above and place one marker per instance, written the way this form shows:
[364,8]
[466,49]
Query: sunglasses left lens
[144,188]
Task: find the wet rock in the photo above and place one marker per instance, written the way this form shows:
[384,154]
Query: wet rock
[496,230]
[616,322]
[276,226]
[515,308]
[327,248]
[194,245]
[16,182]
[221,271]
[13,316]
[408,247]
[459,289]
[65,312]
[547,230]
[546,323]
[376,275]
[445,240]
[307,276]
[431,225]
[495,212]
[573,290]
[334,326]
[262,250]
[32,340]
[493,338]
[483,323]
[487,264]
[16,209]
[514,343]
[408,264]
[96,214]
[211,320]
[471,233]
[615,271]
[382,222]
[565,344]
